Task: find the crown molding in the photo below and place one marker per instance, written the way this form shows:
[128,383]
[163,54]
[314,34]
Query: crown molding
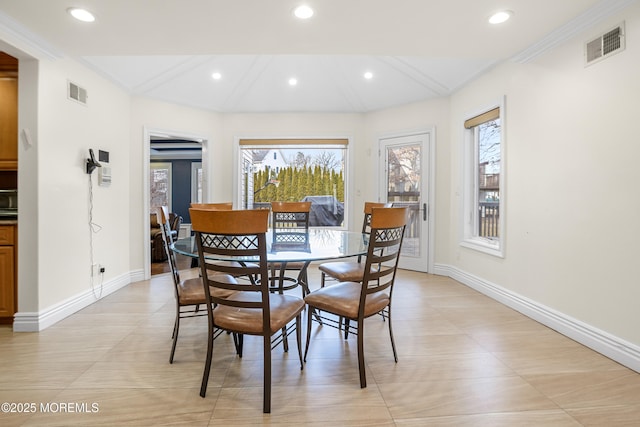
[586,20]
[18,36]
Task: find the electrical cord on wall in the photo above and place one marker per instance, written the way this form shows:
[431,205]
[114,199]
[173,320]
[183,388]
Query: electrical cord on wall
[93,228]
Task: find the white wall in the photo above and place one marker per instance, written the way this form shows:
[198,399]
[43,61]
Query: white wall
[54,263]
[66,131]
[571,144]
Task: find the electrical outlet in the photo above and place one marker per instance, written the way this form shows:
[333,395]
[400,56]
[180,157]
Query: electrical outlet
[102,269]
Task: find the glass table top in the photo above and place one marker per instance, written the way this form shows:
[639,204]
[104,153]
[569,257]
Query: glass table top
[320,244]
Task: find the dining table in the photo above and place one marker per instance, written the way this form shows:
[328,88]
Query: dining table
[316,244]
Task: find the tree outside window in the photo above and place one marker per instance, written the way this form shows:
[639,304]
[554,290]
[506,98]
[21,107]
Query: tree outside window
[286,173]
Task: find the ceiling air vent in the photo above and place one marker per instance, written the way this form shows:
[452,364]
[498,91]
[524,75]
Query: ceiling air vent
[605,45]
[77,93]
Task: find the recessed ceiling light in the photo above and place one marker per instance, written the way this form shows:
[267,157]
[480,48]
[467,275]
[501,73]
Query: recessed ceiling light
[303,12]
[216,76]
[293,81]
[500,17]
[368,75]
[81,14]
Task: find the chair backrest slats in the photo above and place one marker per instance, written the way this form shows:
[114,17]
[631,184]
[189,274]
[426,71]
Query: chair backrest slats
[368,206]
[290,226]
[221,234]
[385,243]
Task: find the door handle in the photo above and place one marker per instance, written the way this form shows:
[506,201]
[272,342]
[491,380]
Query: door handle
[424,211]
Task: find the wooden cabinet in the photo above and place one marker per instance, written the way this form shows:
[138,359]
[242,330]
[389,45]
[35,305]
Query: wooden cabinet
[8,112]
[7,273]
[8,123]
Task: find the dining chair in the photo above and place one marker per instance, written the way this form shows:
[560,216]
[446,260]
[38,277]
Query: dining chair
[350,271]
[189,293]
[356,301]
[252,309]
[290,231]
[224,206]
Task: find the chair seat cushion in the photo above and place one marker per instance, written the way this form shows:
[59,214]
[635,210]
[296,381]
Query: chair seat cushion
[343,271]
[288,265]
[191,291]
[343,299]
[283,308]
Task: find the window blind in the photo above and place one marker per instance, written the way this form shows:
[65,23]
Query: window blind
[281,141]
[482,118]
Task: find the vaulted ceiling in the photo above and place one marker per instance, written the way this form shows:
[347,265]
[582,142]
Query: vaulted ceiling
[415,49]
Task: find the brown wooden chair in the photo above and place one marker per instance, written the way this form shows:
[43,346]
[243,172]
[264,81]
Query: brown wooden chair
[357,301]
[252,309]
[224,206]
[189,293]
[350,271]
[290,232]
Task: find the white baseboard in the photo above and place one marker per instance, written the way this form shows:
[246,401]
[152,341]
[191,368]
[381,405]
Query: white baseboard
[613,347]
[37,321]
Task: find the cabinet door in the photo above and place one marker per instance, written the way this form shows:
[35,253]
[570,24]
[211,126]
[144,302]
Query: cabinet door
[7,282]
[8,123]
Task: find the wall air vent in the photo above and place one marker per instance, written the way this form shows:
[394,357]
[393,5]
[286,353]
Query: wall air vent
[77,93]
[610,43]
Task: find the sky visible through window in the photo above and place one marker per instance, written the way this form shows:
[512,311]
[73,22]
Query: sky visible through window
[489,146]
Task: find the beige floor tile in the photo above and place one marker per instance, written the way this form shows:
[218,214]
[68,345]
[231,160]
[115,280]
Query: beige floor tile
[464,360]
[23,404]
[462,397]
[140,375]
[556,360]
[608,416]
[590,389]
[555,418]
[437,368]
[137,407]
[336,405]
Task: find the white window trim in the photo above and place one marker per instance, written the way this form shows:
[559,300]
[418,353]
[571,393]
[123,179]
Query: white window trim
[348,174]
[468,228]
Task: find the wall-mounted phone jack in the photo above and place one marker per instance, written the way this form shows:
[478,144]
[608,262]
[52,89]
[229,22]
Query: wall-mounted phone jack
[97,269]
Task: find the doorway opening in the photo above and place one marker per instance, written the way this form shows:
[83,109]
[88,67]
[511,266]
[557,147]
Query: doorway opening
[175,176]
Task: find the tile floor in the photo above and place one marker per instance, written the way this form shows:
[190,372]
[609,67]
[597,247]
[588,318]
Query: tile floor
[464,360]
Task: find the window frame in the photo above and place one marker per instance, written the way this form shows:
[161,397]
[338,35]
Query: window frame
[195,168]
[470,237]
[169,167]
[322,142]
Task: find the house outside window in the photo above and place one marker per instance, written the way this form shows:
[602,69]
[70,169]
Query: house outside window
[483,216]
[296,170]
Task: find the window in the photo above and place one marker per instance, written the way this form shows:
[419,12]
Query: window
[160,182]
[295,170]
[483,184]
[196,182]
